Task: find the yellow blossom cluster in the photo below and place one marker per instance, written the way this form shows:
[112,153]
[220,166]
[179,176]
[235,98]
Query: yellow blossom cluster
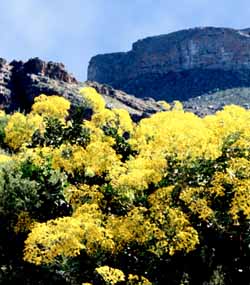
[51,106]
[83,193]
[173,222]
[24,222]
[48,241]
[178,169]
[175,133]
[4,158]
[93,99]
[110,275]
[137,280]
[20,128]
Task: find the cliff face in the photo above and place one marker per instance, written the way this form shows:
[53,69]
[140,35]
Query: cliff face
[5,84]
[179,65]
[21,82]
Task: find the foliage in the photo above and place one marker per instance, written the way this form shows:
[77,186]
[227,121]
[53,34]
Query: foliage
[51,106]
[108,201]
[93,99]
[47,241]
[20,128]
[111,275]
[3,123]
[16,192]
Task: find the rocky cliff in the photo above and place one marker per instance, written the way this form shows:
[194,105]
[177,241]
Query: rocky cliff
[21,82]
[180,65]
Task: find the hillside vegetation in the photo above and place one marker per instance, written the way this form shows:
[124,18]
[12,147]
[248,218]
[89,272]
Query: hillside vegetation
[110,201]
[215,100]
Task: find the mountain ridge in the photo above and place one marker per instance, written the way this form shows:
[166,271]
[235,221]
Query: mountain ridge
[203,90]
[179,65]
[21,82]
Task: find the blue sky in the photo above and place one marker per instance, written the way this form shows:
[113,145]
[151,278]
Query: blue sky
[71,31]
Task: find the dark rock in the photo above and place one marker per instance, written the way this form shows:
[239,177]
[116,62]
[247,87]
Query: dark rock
[39,67]
[208,104]
[5,84]
[138,108]
[21,82]
[34,77]
[179,65]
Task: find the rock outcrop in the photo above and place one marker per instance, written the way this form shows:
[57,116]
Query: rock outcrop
[138,108]
[5,84]
[21,82]
[180,65]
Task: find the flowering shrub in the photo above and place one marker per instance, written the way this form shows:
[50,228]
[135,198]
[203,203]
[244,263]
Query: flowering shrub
[171,191]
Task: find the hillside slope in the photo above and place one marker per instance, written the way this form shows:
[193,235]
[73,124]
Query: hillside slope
[21,82]
[179,65]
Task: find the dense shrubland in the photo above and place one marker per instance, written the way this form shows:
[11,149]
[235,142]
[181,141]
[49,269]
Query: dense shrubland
[108,201]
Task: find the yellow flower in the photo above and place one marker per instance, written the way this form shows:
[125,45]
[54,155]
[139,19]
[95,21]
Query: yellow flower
[20,128]
[48,241]
[51,106]
[110,275]
[93,99]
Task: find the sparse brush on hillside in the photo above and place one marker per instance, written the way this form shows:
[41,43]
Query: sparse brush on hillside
[215,100]
[110,201]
